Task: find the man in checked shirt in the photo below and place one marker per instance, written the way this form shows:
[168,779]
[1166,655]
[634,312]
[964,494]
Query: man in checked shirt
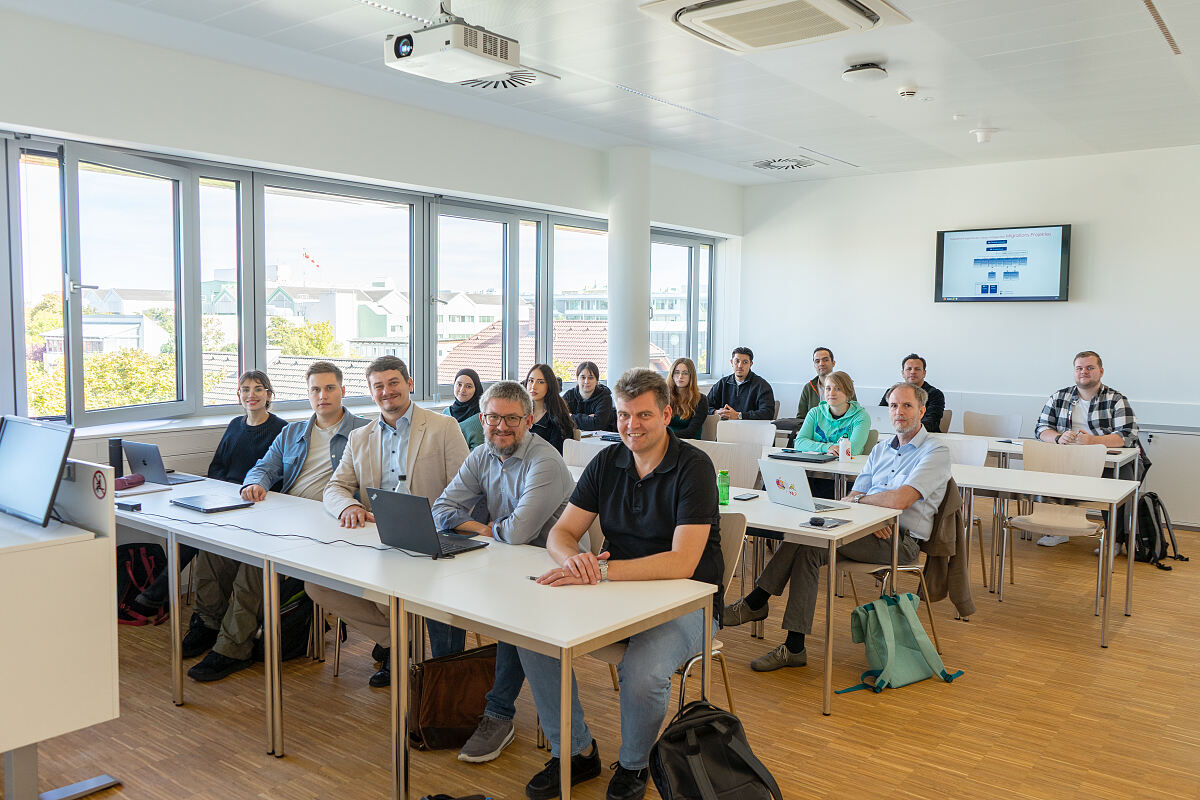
[1090,413]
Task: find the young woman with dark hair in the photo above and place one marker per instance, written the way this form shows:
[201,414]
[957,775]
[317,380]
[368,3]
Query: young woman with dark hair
[551,418]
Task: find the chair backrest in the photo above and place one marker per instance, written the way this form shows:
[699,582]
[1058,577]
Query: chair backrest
[872,440]
[733,533]
[740,459]
[776,410]
[751,431]
[944,425]
[578,453]
[708,431]
[596,537]
[969,451]
[1006,426]
[1084,459]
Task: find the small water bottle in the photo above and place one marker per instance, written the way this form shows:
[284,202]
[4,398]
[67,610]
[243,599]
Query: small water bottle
[723,487]
[844,449]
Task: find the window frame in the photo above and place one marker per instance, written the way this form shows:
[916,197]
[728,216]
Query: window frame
[696,267]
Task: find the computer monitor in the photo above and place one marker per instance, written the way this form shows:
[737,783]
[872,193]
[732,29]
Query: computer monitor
[32,455]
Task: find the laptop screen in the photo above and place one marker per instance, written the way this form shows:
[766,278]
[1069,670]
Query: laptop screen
[32,455]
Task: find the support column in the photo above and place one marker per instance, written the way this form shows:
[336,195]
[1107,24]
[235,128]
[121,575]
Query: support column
[628,259]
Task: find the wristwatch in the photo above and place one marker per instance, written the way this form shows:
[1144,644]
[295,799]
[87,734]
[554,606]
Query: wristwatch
[603,571]
[856,498]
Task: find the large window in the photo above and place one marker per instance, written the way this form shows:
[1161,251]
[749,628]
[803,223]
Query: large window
[145,285]
[39,181]
[336,275]
[580,299]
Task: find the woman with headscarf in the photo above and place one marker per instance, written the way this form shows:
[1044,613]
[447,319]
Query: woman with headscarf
[465,408]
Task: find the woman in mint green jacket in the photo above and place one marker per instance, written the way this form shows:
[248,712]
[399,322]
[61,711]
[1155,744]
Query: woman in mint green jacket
[834,417]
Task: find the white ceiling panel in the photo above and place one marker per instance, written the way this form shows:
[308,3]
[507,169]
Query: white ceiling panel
[1055,77]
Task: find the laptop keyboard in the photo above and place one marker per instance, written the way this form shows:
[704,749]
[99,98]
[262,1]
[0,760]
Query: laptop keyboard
[824,506]
[452,544]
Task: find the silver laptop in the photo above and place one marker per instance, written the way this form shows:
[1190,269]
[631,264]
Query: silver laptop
[405,522]
[145,460]
[211,503]
[787,484]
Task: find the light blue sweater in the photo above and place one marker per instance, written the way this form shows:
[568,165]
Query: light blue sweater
[821,429]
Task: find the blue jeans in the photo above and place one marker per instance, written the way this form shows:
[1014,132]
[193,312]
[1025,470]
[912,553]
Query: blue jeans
[510,676]
[644,674]
[445,639]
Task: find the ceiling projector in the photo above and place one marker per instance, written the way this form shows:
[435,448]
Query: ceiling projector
[451,52]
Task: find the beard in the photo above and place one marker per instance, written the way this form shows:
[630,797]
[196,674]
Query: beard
[501,451]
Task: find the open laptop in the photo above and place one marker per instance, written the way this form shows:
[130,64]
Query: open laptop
[211,503]
[405,521]
[787,484]
[145,460]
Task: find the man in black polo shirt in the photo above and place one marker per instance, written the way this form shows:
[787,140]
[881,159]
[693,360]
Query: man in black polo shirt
[656,497]
[912,370]
[744,394]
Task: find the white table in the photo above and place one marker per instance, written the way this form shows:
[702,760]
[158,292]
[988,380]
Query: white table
[1008,449]
[792,525]
[487,590]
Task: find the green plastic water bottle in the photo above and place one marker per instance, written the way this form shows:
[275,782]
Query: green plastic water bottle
[723,487]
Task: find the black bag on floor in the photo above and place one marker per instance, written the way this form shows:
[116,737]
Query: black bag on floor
[295,621]
[138,564]
[703,755]
[1154,530]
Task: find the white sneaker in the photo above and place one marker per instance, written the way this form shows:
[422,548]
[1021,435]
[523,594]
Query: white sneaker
[1052,541]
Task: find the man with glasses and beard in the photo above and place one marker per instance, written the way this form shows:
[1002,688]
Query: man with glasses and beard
[513,489]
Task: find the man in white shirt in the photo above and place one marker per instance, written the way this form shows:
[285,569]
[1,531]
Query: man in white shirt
[229,594]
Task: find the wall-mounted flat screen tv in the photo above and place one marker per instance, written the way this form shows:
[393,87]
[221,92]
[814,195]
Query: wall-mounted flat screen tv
[1003,264]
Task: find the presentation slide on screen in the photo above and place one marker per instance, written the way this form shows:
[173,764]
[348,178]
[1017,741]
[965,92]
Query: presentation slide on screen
[1019,262]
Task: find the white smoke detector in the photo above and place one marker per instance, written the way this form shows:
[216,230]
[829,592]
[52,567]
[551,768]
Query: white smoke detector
[984,135]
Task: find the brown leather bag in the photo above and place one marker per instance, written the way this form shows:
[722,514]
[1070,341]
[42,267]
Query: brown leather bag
[446,697]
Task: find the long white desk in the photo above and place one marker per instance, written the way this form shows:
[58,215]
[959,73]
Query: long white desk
[1014,484]
[563,622]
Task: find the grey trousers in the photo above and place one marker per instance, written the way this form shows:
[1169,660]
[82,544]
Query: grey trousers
[229,599]
[801,565]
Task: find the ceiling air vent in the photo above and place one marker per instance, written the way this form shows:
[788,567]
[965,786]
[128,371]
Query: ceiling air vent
[777,164]
[505,80]
[746,26]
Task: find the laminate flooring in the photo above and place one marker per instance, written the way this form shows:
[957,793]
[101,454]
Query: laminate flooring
[1041,711]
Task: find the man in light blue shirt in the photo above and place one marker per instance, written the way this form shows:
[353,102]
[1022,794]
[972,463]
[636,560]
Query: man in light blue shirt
[909,472]
[513,489]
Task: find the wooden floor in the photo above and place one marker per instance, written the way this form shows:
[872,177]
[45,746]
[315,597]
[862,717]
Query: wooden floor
[1041,712]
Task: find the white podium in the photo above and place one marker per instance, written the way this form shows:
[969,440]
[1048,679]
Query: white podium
[58,597]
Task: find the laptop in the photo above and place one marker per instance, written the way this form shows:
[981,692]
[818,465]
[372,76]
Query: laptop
[211,503]
[405,522]
[145,460]
[787,484]
[796,455]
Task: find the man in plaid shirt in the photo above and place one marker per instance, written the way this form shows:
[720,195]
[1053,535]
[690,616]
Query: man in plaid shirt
[1089,413]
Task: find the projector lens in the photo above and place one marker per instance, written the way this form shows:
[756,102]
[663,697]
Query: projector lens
[404,46]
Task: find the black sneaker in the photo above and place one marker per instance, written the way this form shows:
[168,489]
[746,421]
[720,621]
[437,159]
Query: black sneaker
[199,639]
[215,666]
[380,654]
[628,784]
[381,679]
[584,767]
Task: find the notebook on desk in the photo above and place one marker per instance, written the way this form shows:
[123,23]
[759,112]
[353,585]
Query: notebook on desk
[797,455]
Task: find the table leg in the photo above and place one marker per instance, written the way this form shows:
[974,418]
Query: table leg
[827,697]
[758,629]
[398,622]
[564,723]
[895,554]
[173,606]
[272,646]
[21,779]
[1106,556]
[705,677]
[1132,528]
[998,571]
[839,484]
[996,528]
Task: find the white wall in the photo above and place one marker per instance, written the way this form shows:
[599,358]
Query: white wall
[849,263]
[99,87]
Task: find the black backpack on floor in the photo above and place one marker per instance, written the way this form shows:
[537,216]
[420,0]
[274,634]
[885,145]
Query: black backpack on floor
[295,621]
[1154,530]
[703,755]
[138,564]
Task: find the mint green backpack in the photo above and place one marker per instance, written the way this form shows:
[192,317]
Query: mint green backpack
[898,649]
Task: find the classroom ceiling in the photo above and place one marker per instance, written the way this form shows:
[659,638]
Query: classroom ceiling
[1054,78]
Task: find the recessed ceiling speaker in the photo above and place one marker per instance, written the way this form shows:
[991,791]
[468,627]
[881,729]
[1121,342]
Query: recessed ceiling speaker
[864,73]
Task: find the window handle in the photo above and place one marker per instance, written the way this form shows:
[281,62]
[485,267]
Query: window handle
[435,300]
[76,286]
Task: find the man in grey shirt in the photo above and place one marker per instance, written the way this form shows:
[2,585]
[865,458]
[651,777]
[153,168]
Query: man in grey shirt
[513,489]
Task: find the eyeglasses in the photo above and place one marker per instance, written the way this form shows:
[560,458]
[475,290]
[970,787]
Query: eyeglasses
[511,420]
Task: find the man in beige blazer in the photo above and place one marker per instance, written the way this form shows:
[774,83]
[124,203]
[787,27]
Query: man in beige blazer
[408,449]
